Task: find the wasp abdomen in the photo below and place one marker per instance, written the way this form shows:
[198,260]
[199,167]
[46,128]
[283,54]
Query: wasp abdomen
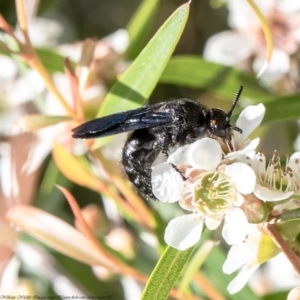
[138,155]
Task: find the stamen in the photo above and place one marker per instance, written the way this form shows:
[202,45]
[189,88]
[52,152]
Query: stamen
[214,192]
[274,175]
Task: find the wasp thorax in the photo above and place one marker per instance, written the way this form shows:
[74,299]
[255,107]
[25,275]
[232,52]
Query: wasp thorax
[214,193]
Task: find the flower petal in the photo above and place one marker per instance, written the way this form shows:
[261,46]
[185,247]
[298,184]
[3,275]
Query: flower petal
[167,183]
[212,223]
[249,119]
[288,6]
[227,48]
[238,256]
[180,156]
[203,154]
[235,226]
[184,232]
[267,194]
[277,67]
[244,149]
[241,279]
[242,176]
[294,161]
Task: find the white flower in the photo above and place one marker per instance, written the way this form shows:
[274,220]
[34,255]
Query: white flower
[240,256]
[45,32]
[275,182]
[212,192]
[247,256]
[249,119]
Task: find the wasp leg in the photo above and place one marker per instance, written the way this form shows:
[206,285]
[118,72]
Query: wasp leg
[181,174]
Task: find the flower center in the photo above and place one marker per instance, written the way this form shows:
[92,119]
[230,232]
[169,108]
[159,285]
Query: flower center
[214,193]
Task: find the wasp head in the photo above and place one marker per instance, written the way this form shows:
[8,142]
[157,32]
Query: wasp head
[219,121]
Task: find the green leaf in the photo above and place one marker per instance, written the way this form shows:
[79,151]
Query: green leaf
[53,61]
[37,121]
[194,72]
[289,229]
[276,296]
[293,214]
[160,226]
[137,83]
[282,108]
[139,26]
[195,263]
[166,273]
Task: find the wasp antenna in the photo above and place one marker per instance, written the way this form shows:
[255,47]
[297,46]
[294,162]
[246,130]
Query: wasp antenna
[239,130]
[236,99]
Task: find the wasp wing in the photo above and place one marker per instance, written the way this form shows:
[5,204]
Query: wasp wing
[144,117]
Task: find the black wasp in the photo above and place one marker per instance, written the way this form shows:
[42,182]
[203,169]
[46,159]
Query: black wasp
[156,128]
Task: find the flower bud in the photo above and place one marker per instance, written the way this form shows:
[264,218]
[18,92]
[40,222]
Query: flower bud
[255,210]
[95,219]
[122,241]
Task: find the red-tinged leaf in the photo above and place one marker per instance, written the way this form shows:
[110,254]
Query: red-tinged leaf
[73,169]
[77,212]
[77,101]
[5,26]
[57,234]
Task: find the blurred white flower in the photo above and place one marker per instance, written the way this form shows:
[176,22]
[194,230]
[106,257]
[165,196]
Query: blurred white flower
[100,59]
[8,173]
[118,40]
[247,256]
[246,45]
[286,279]
[45,32]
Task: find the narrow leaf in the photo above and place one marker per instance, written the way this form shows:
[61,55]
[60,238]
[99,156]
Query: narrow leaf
[194,72]
[71,167]
[266,30]
[5,26]
[139,25]
[138,82]
[195,264]
[75,171]
[36,121]
[166,273]
[282,108]
[53,61]
[293,214]
[289,229]
[77,101]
